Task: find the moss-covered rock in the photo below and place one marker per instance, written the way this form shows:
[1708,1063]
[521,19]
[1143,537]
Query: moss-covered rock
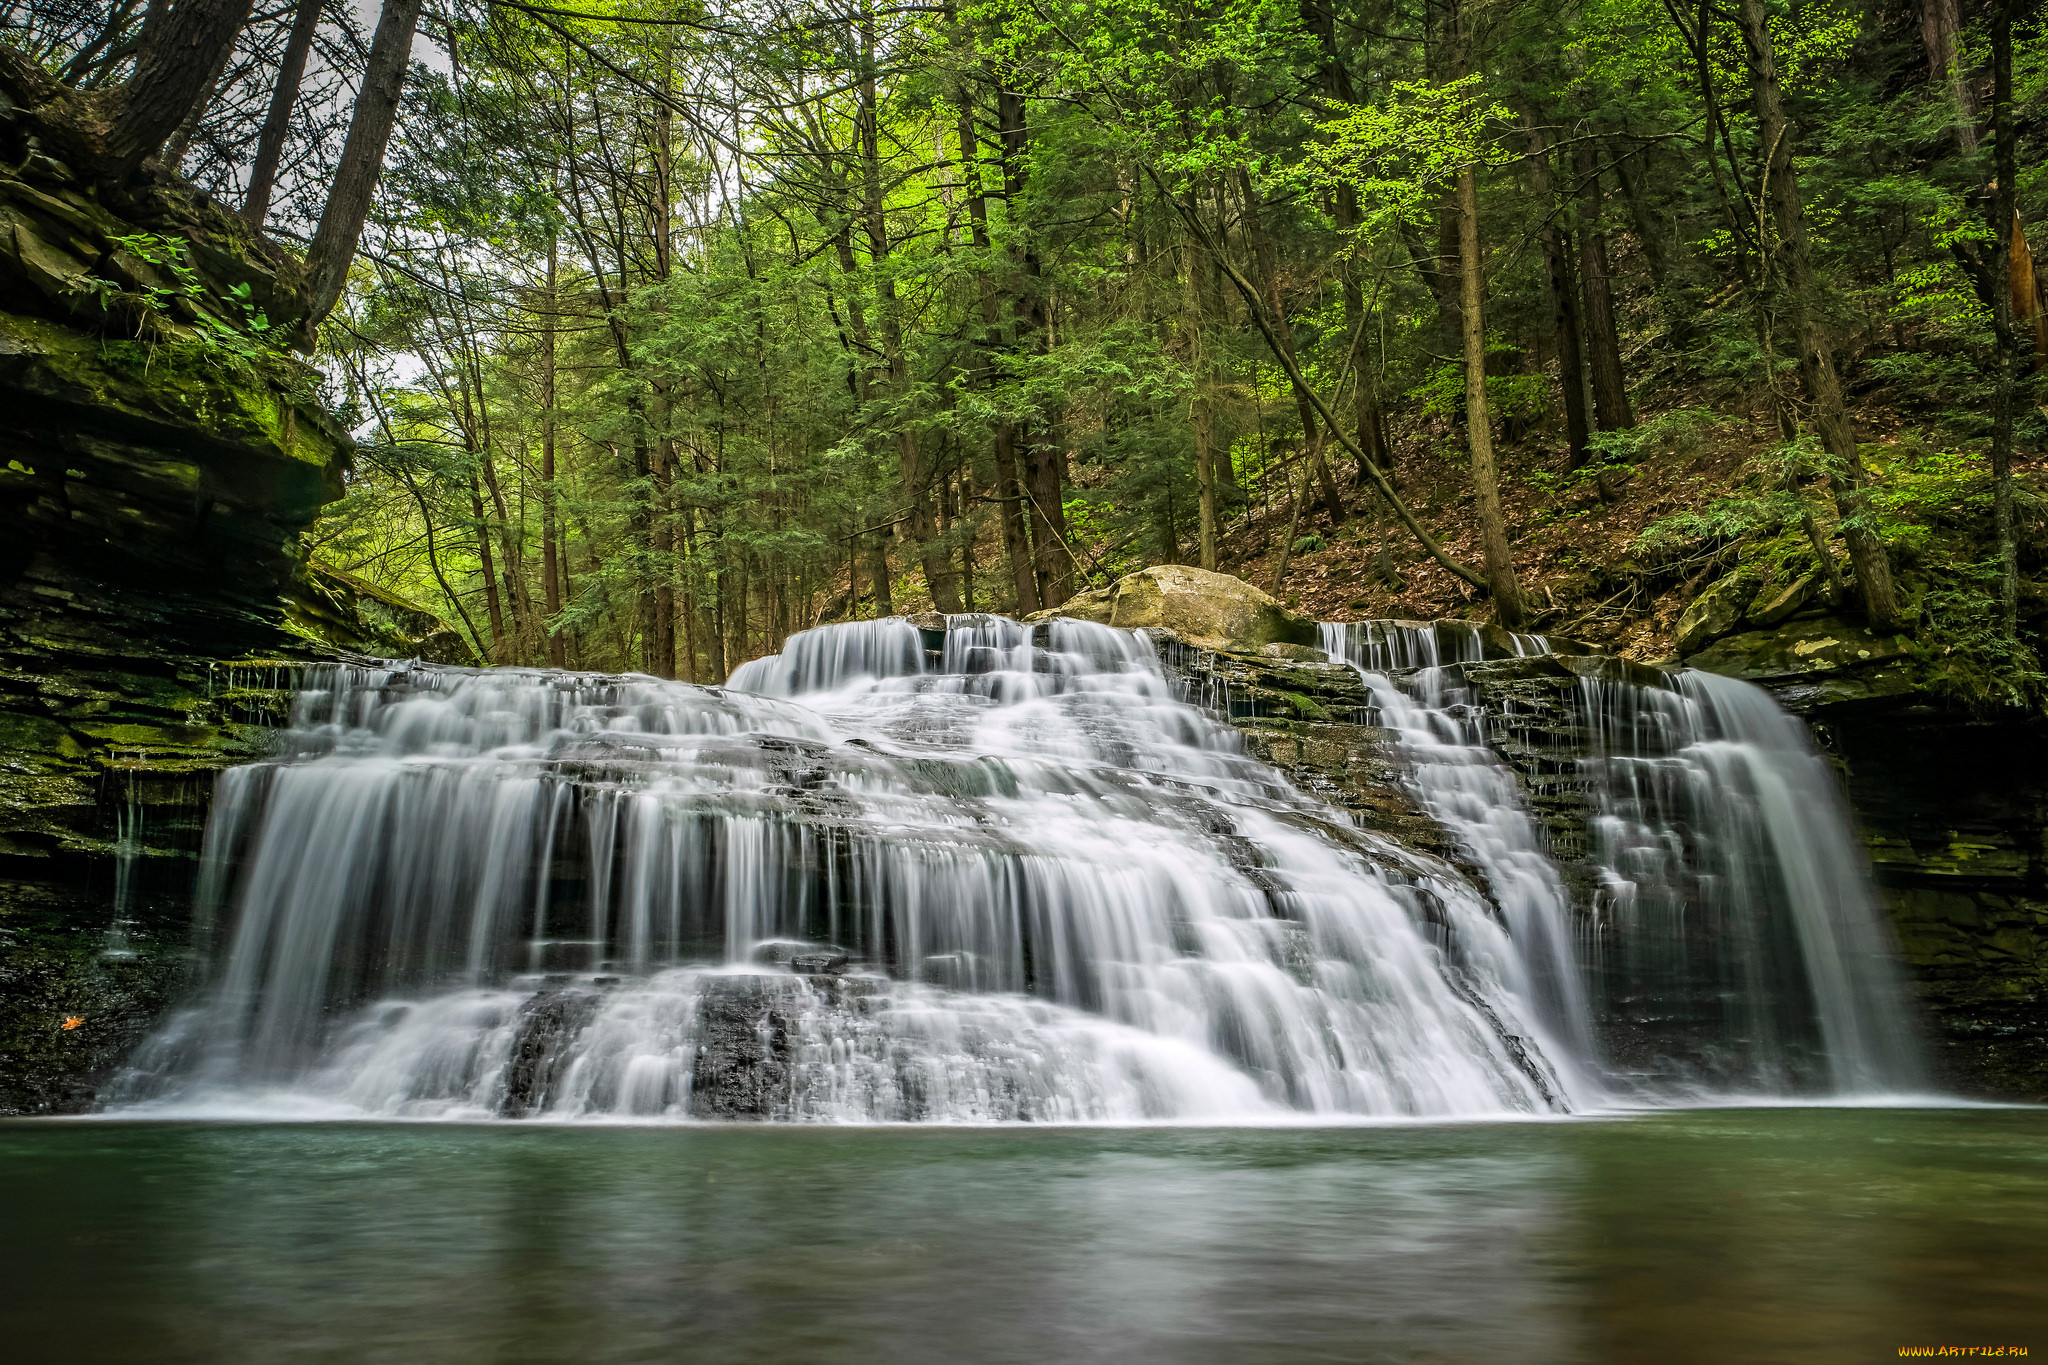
[1211,610]
[155,481]
[1714,613]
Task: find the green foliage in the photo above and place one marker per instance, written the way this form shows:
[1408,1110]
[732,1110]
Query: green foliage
[186,309]
[787,305]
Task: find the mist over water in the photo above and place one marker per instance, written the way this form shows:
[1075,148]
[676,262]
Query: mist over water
[995,873]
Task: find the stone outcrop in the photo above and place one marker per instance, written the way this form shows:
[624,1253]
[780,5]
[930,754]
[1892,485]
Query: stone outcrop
[1209,610]
[1954,810]
[1314,721]
[161,461]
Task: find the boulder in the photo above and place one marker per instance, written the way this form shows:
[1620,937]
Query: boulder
[1714,613]
[1775,606]
[1210,610]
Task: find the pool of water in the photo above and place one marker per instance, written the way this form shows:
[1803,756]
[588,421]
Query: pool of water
[1711,1236]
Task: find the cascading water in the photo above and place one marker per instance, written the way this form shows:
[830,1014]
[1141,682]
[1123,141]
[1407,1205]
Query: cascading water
[883,876]
[1740,912]
[1461,784]
[1734,943]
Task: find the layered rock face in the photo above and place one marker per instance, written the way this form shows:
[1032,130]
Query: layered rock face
[157,468]
[1954,809]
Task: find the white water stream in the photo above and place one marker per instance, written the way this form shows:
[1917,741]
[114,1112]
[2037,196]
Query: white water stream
[994,874]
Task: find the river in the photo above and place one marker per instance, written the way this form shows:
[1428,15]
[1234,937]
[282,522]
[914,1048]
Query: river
[1748,1234]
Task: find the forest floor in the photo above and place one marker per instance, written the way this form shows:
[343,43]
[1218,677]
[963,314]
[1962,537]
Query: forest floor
[1579,556]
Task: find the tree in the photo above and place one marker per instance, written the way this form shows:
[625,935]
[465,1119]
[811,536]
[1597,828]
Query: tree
[1800,295]
[362,159]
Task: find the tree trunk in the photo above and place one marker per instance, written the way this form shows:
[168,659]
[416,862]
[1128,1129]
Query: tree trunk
[493,605]
[878,574]
[1321,18]
[277,120]
[550,569]
[1003,436]
[661,646]
[1493,531]
[1603,343]
[2005,334]
[1940,27]
[362,159]
[1563,299]
[1816,354]
[1265,261]
[917,493]
[172,158]
[184,45]
[1044,503]
[1202,420]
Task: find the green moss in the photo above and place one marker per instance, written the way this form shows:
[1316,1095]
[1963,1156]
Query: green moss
[1308,708]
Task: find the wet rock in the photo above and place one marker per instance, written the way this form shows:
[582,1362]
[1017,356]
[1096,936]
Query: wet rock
[154,492]
[1812,662]
[1774,606]
[546,1025]
[744,1046]
[1954,810]
[819,964]
[1315,722]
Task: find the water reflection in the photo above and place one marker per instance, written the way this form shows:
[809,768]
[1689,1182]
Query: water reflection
[1759,1235]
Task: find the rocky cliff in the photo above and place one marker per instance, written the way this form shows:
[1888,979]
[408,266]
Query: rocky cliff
[159,462]
[1953,804]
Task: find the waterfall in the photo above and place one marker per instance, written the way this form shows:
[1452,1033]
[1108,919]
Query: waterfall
[1004,872]
[1733,941]
[1736,895]
[999,873]
[1441,742]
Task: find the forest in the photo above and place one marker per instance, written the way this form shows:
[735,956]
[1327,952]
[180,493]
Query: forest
[667,330]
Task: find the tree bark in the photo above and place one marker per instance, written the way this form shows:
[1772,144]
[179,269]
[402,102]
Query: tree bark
[1603,342]
[1940,27]
[493,604]
[2005,334]
[550,569]
[277,120]
[1044,503]
[1003,436]
[1817,371]
[362,160]
[1266,262]
[917,494]
[1493,530]
[1201,417]
[1321,18]
[172,158]
[184,45]
[1563,299]
[878,574]
[1255,307]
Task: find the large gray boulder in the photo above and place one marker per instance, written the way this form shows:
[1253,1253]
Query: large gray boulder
[1210,610]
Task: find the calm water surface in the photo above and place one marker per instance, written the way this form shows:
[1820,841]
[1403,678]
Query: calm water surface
[1729,1236]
